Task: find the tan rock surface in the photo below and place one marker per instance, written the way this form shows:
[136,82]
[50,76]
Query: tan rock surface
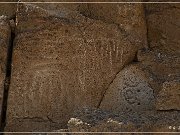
[129,17]
[55,7]
[61,62]
[160,66]
[169,97]
[163,61]
[163,22]
[163,69]
[70,56]
[5,34]
[8,9]
[129,91]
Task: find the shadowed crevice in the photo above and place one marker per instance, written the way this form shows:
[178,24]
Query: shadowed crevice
[7,82]
[147,26]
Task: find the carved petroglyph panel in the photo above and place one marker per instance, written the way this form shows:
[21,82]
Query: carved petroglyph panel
[60,64]
[130,91]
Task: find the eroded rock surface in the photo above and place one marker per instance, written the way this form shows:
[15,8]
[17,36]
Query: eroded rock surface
[169,97]
[57,8]
[92,120]
[129,91]
[160,66]
[163,27]
[70,56]
[5,34]
[61,62]
[8,9]
[129,17]
[163,70]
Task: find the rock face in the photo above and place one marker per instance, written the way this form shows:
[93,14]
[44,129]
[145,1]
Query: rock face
[5,34]
[129,91]
[61,62]
[92,120]
[8,9]
[56,8]
[129,17]
[163,70]
[121,58]
[161,67]
[163,27]
[163,61]
[169,97]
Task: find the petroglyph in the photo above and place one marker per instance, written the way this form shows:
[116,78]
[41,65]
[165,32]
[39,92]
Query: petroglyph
[63,67]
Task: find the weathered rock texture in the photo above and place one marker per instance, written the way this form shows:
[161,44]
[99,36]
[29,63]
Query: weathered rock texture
[130,91]
[163,27]
[116,57]
[163,70]
[92,120]
[8,9]
[5,34]
[169,97]
[56,8]
[160,66]
[129,17]
[61,62]
[141,87]
[163,61]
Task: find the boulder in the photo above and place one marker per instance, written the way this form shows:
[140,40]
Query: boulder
[61,62]
[163,61]
[169,97]
[163,27]
[160,66]
[163,70]
[129,17]
[129,91]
